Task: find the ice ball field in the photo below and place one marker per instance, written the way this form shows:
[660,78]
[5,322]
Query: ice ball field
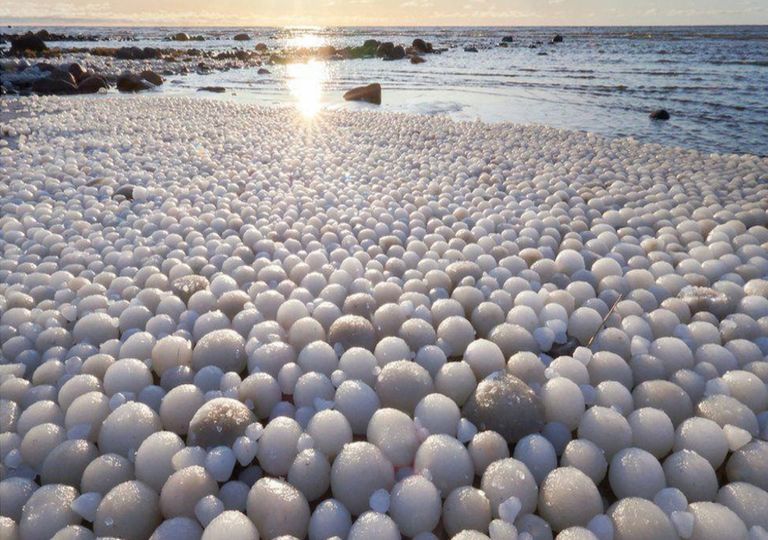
[227,322]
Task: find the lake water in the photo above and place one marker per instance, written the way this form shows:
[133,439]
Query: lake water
[713,80]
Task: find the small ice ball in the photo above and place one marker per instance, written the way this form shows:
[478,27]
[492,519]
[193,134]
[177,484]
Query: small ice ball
[184,489]
[454,335]
[223,348]
[748,464]
[602,527]
[670,500]
[126,427]
[245,450]
[220,462]
[507,478]
[277,508]
[310,473]
[746,501]
[54,501]
[178,527]
[357,402]
[262,390]
[584,323]
[95,328]
[691,474]
[179,406]
[105,472]
[234,495]
[154,458]
[438,414]
[704,437]
[189,456]
[329,519]
[485,448]
[568,497]
[635,473]
[563,402]
[230,525]
[728,410]
[415,505]
[538,454]
[466,508]
[278,445]
[402,384]
[499,529]
[608,429]
[456,380]
[395,434]
[374,525]
[330,431]
[14,492]
[359,470]
[352,331]
[652,430]
[207,509]
[635,519]
[713,520]
[447,461]
[130,510]
[484,357]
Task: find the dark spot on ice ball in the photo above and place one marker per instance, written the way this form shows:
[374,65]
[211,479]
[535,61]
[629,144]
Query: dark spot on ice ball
[185,286]
[506,405]
[659,114]
[219,423]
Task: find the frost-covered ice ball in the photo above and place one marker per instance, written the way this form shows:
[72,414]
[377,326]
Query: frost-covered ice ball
[219,422]
[153,459]
[277,508]
[587,457]
[105,472]
[563,402]
[184,489]
[637,519]
[415,505]
[484,357]
[329,519]
[576,533]
[359,470]
[130,510]
[278,445]
[186,286]
[95,328]
[466,508]
[178,527]
[310,473]
[485,448]
[14,492]
[454,335]
[126,427]
[728,410]
[352,331]
[330,431]
[179,406]
[713,521]
[447,462]
[507,478]
[224,349]
[395,434]
[437,414]
[374,525]
[506,405]
[53,501]
[664,395]
[605,427]
[692,474]
[402,384]
[170,352]
[567,498]
[704,437]
[456,380]
[231,525]
[66,463]
[538,454]
[748,464]
[652,430]
[635,473]
[747,501]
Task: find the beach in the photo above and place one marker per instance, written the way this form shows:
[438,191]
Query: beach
[228,320]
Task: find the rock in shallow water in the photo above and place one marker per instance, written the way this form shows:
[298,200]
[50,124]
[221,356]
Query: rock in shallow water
[506,405]
[370,93]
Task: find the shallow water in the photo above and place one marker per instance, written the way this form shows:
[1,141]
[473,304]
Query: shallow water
[713,80]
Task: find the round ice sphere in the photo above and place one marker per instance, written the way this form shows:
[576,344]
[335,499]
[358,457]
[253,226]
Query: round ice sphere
[395,434]
[329,519]
[713,521]
[704,437]
[507,478]
[219,422]
[278,445]
[224,349]
[402,384]
[170,352]
[635,473]
[330,431]
[352,331]
[126,427]
[230,525]
[153,459]
[277,508]
[485,448]
[749,464]
[538,454]
[39,441]
[437,414]
[15,492]
[747,501]
[130,510]
[66,463]
[567,498]
[587,457]
[357,402]
[95,328]
[447,461]
[179,406]
[454,335]
[359,470]
[728,410]
[52,501]
[652,431]
[455,380]
[563,402]
[608,429]
[666,396]
[374,525]
[691,474]
[184,489]
[637,519]
[310,473]
[506,405]
[466,508]
[105,472]
[415,505]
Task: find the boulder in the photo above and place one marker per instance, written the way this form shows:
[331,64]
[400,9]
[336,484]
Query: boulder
[470,49]
[557,39]
[506,405]
[28,42]
[659,114]
[370,94]
[398,53]
[384,50]
[130,82]
[263,71]
[507,39]
[326,51]
[128,53]
[242,37]
[214,89]
[261,47]
[77,71]
[92,84]
[420,45]
[151,76]
[370,44]
[181,36]
[415,59]
[53,85]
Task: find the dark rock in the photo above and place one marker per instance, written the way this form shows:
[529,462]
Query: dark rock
[77,71]
[415,59]
[420,45]
[44,34]
[130,82]
[506,405]
[660,114]
[557,39]
[128,53]
[28,42]
[242,37]
[148,53]
[181,36]
[470,49]
[151,76]
[370,94]
[264,71]
[92,84]
[398,53]
[261,47]
[326,51]
[384,50]
[507,39]
[53,85]
[214,89]
[505,45]
[370,43]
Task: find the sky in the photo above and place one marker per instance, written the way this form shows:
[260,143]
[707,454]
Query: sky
[383,12]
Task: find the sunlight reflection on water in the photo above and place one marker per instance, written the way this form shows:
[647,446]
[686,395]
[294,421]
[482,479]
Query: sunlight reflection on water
[305,83]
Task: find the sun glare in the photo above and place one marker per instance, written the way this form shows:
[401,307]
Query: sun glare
[306,41]
[305,82]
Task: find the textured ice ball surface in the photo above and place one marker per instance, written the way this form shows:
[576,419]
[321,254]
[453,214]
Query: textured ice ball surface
[443,329]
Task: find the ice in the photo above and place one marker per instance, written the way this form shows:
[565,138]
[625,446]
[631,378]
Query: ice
[568,498]
[736,436]
[86,505]
[466,430]
[509,509]
[207,509]
[220,462]
[270,501]
[379,501]
[602,527]
[358,471]
[670,500]
[635,473]
[245,449]
[683,522]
